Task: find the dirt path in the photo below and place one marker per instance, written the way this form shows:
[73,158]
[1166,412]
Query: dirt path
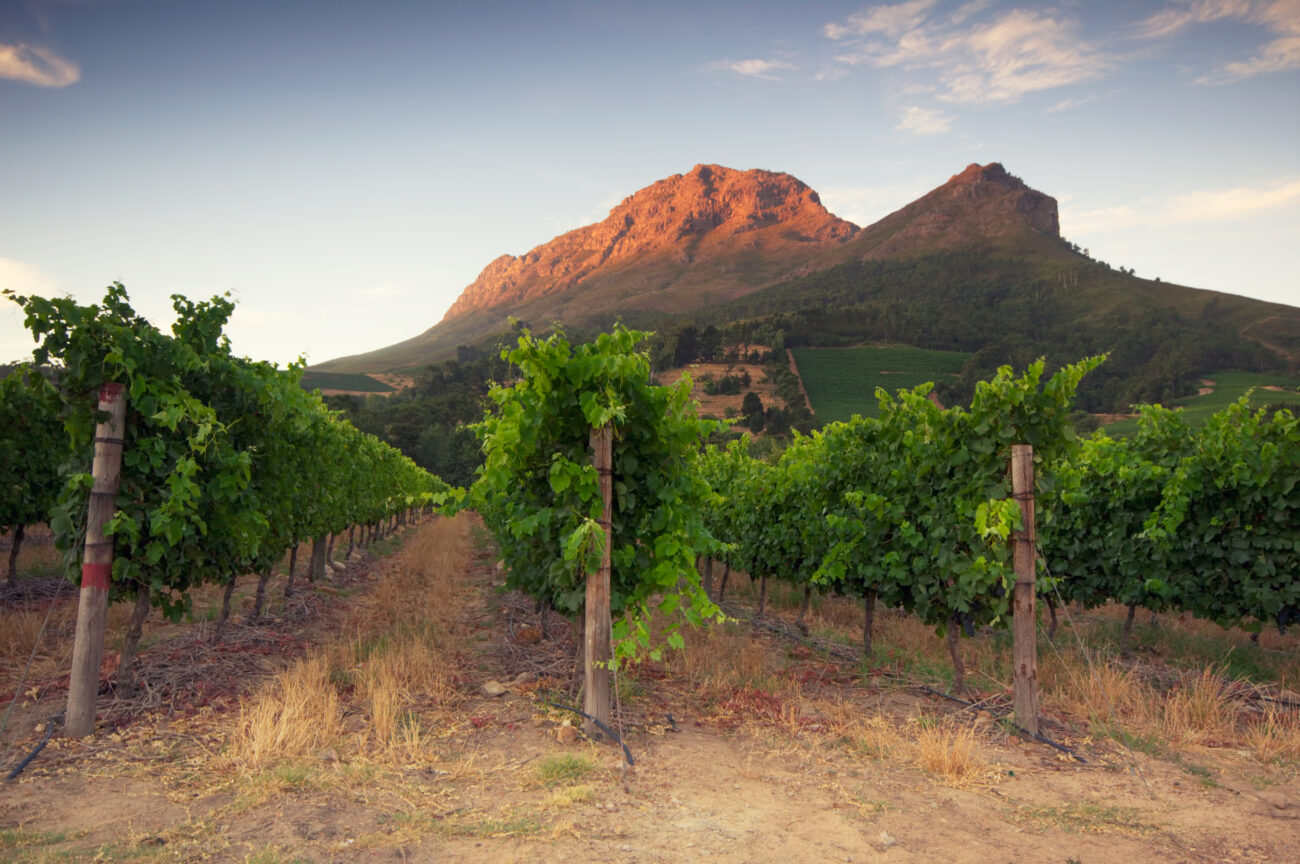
[1272,346]
[723,773]
[794,367]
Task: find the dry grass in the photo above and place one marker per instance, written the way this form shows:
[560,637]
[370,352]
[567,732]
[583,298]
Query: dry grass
[1196,709]
[869,734]
[719,658]
[37,556]
[21,638]
[948,750]
[568,796]
[382,688]
[1092,687]
[951,753]
[399,659]
[1274,737]
[411,623]
[723,659]
[426,588]
[1156,708]
[297,714]
[20,630]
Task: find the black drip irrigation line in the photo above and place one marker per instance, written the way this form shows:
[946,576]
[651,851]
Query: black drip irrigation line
[1021,729]
[614,736]
[818,644]
[49,732]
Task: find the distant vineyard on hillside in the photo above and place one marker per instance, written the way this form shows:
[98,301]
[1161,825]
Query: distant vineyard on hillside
[349,381]
[1225,389]
[842,382]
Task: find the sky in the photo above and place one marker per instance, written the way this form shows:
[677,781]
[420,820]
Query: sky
[344,170]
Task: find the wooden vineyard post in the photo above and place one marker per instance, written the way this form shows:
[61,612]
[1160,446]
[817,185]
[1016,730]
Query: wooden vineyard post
[316,568]
[97,566]
[1024,619]
[597,633]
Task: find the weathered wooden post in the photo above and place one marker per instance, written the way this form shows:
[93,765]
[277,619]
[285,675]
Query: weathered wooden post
[316,568]
[597,632]
[97,566]
[1024,619]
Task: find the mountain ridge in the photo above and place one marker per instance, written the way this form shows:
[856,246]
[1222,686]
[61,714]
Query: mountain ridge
[675,216]
[715,235]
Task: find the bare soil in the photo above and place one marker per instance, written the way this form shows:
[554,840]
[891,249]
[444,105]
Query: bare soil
[716,405]
[738,774]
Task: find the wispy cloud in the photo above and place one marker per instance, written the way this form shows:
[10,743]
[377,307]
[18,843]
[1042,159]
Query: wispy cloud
[1202,206]
[1230,204]
[966,10]
[1021,52]
[923,121]
[755,68]
[34,64]
[891,21]
[386,289]
[976,58]
[1071,104]
[831,72]
[1280,19]
[1172,19]
[1067,105]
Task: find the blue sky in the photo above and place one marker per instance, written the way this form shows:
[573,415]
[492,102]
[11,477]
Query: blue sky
[346,169]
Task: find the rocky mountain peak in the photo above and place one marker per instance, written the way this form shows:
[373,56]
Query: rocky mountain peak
[709,210]
[982,204]
[990,173]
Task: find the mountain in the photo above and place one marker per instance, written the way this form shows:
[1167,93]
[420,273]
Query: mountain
[982,206]
[717,245]
[687,241]
[694,229]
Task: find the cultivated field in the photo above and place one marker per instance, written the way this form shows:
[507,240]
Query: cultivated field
[1222,389]
[353,725]
[344,382]
[842,382]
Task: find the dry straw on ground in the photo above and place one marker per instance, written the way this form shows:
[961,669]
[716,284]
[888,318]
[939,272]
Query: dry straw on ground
[296,713]
[950,752]
[395,667]
[1148,703]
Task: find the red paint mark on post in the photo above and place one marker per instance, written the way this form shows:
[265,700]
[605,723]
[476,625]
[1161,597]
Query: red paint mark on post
[110,392]
[96,576]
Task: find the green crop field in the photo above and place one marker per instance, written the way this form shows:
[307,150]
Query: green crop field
[842,382]
[353,381]
[1228,388]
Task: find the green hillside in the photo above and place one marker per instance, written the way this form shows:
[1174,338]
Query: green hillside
[842,382]
[1160,338]
[1228,388]
[354,382]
